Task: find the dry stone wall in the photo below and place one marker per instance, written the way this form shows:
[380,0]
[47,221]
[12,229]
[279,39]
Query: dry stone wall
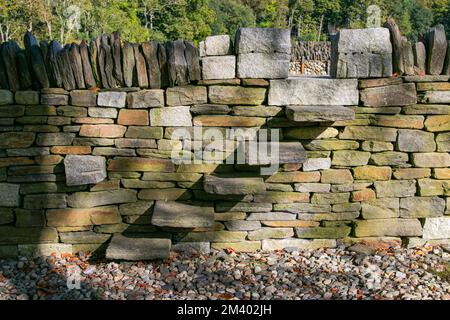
[361,160]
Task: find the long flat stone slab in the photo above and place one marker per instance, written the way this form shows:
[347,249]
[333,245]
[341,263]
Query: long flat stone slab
[288,152]
[180,215]
[123,248]
[233,185]
[308,91]
[319,113]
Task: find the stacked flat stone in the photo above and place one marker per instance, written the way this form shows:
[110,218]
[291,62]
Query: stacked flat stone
[362,161]
[218,60]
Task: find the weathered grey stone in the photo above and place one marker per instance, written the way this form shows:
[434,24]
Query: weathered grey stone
[396,95]
[9,195]
[421,207]
[14,235]
[387,227]
[101,198]
[436,228]
[362,53]
[192,247]
[314,91]
[83,237]
[270,233]
[45,201]
[263,40]
[51,99]
[44,249]
[313,164]
[231,185]
[176,63]
[394,188]
[443,142]
[180,215]
[211,109]
[243,207]
[82,170]
[436,49]
[350,158]
[186,95]
[220,67]
[408,57]
[87,67]
[193,61]
[144,132]
[256,111]
[55,139]
[266,153]
[380,208]
[389,158]
[174,116]
[396,39]
[431,160]
[150,52]
[302,244]
[415,141]
[312,187]
[25,97]
[141,67]
[436,97]
[369,133]
[242,225]
[129,64]
[319,113]
[102,112]
[263,65]
[420,58]
[233,95]
[146,99]
[219,45]
[271,216]
[136,208]
[114,99]
[83,98]
[334,232]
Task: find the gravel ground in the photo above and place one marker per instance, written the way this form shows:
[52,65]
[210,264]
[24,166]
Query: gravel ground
[341,273]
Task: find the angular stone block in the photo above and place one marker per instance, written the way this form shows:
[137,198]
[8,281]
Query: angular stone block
[26,97]
[301,244]
[173,117]
[387,227]
[146,99]
[380,208]
[101,198]
[9,195]
[421,207]
[395,95]
[82,170]
[233,95]
[186,95]
[431,160]
[319,113]
[219,45]
[415,141]
[314,91]
[263,65]
[112,99]
[394,188]
[420,58]
[436,228]
[362,53]
[263,40]
[180,215]
[369,133]
[221,67]
[231,185]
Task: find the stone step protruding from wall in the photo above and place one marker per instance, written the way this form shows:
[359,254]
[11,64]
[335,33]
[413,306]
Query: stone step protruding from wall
[361,53]
[319,113]
[124,248]
[288,153]
[263,53]
[173,214]
[314,91]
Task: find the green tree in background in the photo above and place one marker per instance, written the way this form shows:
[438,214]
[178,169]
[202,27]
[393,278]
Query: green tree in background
[231,15]
[139,20]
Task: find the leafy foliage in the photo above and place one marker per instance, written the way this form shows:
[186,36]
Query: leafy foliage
[139,20]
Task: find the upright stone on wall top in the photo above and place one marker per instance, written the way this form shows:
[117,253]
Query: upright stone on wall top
[362,53]
[263,53]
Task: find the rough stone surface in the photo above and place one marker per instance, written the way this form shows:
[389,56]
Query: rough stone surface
[436,49]
[220,67]
[231,185]
[123,248]
[319,113]
[263,40]
[380,208]
[388,227]
[362,53]
[9,195]
[421,207]
[146,99]
[179,215]
[219,45]
[82,170]
[100,198]
[314,91]
[415,141]
[173,116]
[436,228]
[186,95]
[112,99]
[263,65]
[236,95]
[393,188]
[395,95]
